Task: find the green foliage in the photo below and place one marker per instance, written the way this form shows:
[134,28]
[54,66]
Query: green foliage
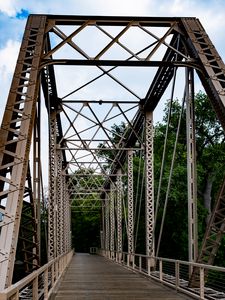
[85,230]
[210,147]
[85,210]
[117,137]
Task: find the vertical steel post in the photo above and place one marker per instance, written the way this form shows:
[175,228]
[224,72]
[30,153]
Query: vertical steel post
[107,234]
[52,203]
[112,220]
[149,205]
[68,219]
[59,202]
[65,237]
[130,186]
[191,168]
[102,233]
[119,215]
[37,175]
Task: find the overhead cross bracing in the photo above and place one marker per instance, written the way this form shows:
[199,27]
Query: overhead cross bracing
[92,73]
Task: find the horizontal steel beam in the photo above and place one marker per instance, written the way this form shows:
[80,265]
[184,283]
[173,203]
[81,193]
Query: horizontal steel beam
[118,63]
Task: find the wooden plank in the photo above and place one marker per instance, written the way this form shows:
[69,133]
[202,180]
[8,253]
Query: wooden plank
[93,277]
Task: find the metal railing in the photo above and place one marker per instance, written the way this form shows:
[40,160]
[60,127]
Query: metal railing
[210,283]
[39,284]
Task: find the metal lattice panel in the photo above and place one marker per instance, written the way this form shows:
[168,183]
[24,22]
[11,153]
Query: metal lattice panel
[191,169]
[52,222]
[149,185]
[112,220]
[130,204]
[119,212]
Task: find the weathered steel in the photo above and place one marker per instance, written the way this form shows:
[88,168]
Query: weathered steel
[191,168]
[119,213]
[107,226]
[29,240]
[16,132]
[211,68]
[185,44]
[130,203]
[149,202]
[112,219]
[52,203]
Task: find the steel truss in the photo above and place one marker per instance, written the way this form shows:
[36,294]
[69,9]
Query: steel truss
[119,214]
[191,168]
[149,206]
[130,204]
[112,221]
[81,135]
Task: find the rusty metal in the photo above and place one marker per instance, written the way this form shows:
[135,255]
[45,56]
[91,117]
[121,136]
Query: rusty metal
[15,139]
[80,128]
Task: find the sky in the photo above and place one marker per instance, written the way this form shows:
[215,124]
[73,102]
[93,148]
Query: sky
[13,15]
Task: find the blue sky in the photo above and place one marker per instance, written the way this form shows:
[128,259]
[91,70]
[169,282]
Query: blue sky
[13,14]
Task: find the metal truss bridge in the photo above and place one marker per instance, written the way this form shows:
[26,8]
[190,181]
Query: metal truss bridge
[78,79]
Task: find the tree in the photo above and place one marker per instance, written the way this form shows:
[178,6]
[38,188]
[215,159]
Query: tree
[210,160]
[85,209]
[210,150]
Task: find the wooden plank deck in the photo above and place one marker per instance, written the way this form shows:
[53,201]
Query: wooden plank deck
[96,278]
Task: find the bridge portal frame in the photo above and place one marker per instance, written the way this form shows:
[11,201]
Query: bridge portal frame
[194,50]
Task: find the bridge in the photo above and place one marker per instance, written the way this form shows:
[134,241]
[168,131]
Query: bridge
[77,139]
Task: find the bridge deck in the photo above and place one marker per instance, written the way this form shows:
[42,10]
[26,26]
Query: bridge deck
[93,277]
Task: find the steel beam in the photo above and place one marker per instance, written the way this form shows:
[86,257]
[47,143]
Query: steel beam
[52,200]
[16,132]
[211,68]
[149,202]
[107,225]
[130,202]
[191,168]
[119,214]
[112,220]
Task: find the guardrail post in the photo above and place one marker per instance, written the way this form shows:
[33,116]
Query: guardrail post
[56,269]
[202,283]
[128,260]
[160,270]
[133,261]
[120,257]
[35,288]
[149,265]
[177,270]
[46,284]
[53,274]
[140,264]
[4,296]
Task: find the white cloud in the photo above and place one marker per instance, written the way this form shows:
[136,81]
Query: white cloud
[8,7]
[118,7]
[8,57]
